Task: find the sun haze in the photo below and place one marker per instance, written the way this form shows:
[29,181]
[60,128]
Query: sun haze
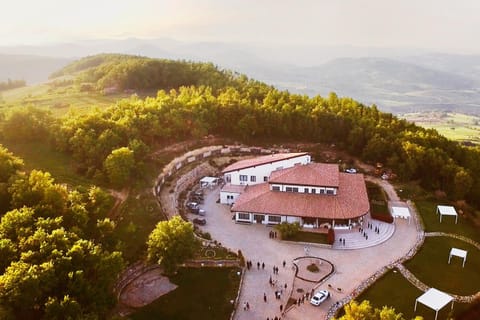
[435,24]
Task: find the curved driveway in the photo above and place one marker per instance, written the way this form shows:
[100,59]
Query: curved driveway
[351,266]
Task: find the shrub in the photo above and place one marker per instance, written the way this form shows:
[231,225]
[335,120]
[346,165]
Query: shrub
[242,258]
[288,230]
[382,217]
[331,236]
[313,268]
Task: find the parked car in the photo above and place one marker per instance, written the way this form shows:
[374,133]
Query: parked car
[199,221]
[351,170]
[200,212]
[195,198]
[192,205]
[320,297]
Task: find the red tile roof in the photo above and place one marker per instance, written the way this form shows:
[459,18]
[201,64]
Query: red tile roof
[312,174]
[351,201]
[247,163]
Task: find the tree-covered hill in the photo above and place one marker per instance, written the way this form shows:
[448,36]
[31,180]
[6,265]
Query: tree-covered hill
[58,257]
[125,72]
[76,267]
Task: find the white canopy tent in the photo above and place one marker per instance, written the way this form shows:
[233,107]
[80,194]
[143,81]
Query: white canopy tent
[459,253]
[447,211]
[208,182]
[401,212]
[434,299]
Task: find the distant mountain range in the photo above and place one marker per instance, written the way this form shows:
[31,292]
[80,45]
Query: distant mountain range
[396,80]
[31,68]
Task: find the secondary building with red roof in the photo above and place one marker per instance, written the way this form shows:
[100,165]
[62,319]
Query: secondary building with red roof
[313,194]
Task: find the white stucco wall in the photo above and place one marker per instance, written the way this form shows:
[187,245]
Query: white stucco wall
[225,195]
[264,170]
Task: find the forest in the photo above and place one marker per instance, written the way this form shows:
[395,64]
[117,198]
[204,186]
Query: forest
[12,84]
[58,252]
[111,144]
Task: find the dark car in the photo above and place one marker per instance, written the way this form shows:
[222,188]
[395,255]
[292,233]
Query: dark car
[197,199]
[200,222]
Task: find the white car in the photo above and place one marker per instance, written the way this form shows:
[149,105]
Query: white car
[319,297]
[351,170]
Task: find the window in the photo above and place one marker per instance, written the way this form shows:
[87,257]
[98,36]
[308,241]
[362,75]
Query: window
[243,177]
[306,190]
[291,189]
[276,188]
[265,179]
[253,178]
[274,219]
[314,190]
[322,191]
[279,168]
[329,191]
[243,216]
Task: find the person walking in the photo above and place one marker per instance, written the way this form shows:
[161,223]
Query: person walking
[284,263]
[264,297]
[281,307]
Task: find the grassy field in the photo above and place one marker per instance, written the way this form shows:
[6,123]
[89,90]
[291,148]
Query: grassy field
[203,293]
[138,216]
[41,156]
[58,100]
[431,221]
[430,265]
[455,126]
[378,199]
[395,291]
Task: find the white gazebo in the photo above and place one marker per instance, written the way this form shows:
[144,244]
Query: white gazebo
[459,253]
[447,211]
[208,182]
[401,212]
[434,299]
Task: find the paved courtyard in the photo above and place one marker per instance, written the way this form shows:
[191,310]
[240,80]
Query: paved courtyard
[351,266]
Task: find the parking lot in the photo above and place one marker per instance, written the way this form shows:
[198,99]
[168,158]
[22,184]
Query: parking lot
[351,266]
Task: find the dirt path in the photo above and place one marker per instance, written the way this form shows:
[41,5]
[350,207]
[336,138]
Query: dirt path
[120,197]
[389,189]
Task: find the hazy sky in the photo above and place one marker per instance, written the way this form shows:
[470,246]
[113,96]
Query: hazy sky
[435,24]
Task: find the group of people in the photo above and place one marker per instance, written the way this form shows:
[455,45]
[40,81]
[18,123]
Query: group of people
[272,234]
[259,265]
[369,226]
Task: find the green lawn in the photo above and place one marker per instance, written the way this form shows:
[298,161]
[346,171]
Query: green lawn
[395,291]
[138,216]
[378,199]
[41,156]
[431,221]
[202,293]
[430,265]
[313,237]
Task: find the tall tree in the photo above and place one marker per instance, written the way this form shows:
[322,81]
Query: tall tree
[171,243]
[119,166]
